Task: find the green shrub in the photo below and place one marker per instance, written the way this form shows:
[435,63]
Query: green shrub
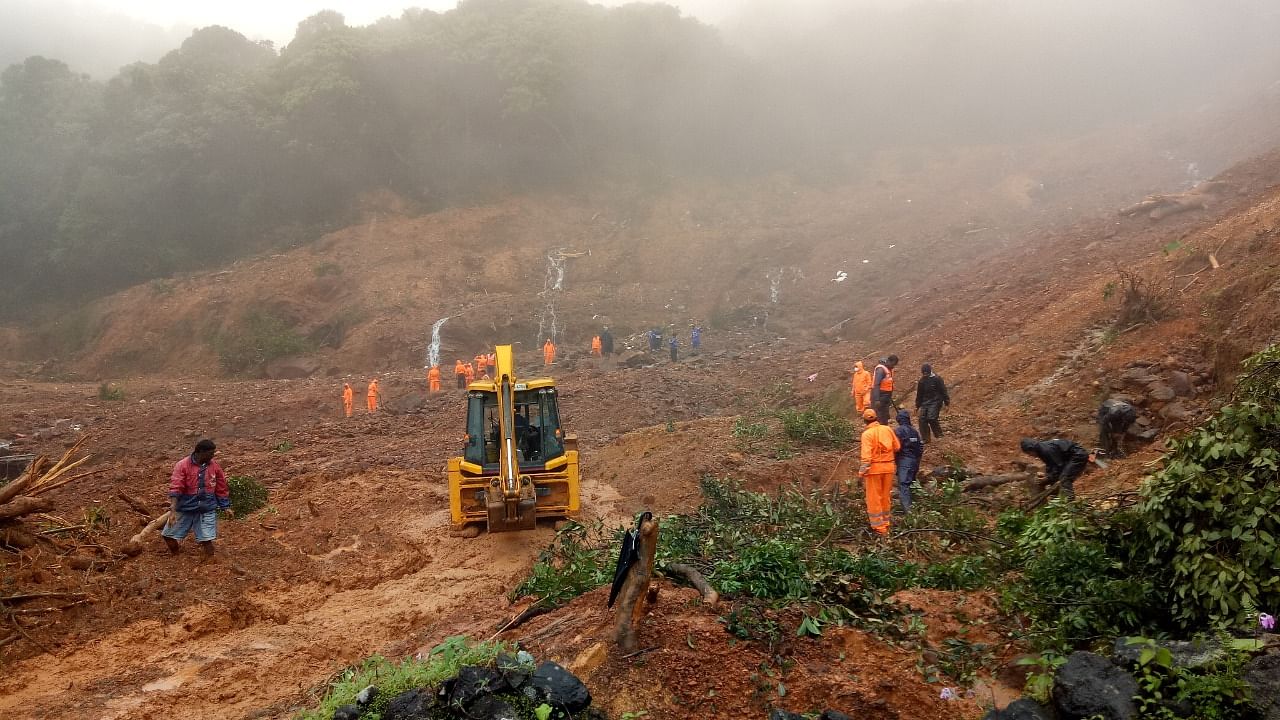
[817,425]
[247,494]
[580,559]
[259,339]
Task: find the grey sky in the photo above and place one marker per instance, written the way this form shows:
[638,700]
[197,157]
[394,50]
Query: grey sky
[276,19]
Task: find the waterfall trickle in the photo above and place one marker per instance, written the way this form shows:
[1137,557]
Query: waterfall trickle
[433,350]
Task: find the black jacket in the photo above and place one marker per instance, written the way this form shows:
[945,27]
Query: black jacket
[1056,454]
[931,390]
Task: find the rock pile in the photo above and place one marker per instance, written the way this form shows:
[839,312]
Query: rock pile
[512,689]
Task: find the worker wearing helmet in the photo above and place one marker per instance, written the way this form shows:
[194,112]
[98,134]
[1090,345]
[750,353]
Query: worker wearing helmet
[433,379]
[548,352]
[348,395]
[879,445]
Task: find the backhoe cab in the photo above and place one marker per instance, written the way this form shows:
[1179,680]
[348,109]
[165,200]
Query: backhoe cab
[517,463]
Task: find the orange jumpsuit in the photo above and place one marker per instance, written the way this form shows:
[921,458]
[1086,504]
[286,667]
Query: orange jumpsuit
[595,346]
[879,444]
[482,361]
[861,390]
[548,352]
[470,372]
[433,379]
[374,395]
[460,372]
[347,397]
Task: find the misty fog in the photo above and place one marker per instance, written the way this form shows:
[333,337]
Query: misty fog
[226,145]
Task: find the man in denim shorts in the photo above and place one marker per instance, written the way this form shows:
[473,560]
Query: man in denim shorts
[197,491]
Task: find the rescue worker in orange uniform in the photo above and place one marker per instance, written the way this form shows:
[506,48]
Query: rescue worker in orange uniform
[469,373]
[879,445]
[433,379]
[548,352]
[597,348]
[861,390]
[481,361]
[460,371]
[375,395]
[348,397]
[882,388]
[493,363]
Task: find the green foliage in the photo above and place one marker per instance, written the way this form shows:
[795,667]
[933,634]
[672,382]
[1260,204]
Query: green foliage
[283,446]
[1041,669]
[247,494]
[816,425]
[441,663]
[326,269]
[581,558]
[259,339]
[1167,691]
[1206,526]
[110,392]
[1072,588]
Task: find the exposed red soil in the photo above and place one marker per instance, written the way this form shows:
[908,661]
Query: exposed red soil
[1016,323]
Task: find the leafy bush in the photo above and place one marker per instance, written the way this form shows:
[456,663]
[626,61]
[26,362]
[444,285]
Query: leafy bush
[817,425]
[441,663]
[1167,691]
[1072,588]
[1207,527]
[247,494]
[580,559]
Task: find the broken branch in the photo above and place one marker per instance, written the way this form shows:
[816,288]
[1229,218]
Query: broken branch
[691,575]
[635,587]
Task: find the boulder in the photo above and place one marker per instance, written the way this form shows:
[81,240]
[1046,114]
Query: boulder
[1263,677]
[492,708]
[408,403]
[1161,392]
[1186,654]
[347,712]
[634,360]
[1137,375]
[292,368]
[1089,685]
[833,715]
[366,696]
[1175,412]
[1181,383]
[410,705]
[1023,709]
[560,687]
[471,683]
[779,714]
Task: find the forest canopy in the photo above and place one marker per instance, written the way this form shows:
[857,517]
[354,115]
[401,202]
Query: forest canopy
[227,146]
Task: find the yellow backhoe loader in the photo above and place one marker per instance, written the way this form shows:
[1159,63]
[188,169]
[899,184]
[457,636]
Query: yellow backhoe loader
[517,463]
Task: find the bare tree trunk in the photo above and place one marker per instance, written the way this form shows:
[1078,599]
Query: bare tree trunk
[986,481]
[631,607]
[134,546]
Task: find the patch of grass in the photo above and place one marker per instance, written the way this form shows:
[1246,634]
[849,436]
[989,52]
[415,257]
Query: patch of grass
[441,663]
[816,425]
[247,494]
[110,392]
[326,269]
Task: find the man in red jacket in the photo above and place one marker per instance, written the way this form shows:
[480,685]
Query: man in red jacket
[197,491]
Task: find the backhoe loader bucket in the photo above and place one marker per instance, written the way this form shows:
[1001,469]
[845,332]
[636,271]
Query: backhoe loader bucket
[517,515]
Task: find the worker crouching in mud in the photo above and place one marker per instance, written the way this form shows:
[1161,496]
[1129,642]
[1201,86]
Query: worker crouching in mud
[879,445]
[1063,460]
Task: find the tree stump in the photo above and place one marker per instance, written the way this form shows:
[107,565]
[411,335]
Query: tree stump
[631,605]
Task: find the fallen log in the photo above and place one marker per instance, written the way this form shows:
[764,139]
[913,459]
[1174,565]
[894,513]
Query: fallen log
[986,481]
[20,506]
[690,575]
[631,607]
[134,546]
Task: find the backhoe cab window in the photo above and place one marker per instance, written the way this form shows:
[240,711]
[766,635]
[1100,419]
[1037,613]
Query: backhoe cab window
[536,430]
